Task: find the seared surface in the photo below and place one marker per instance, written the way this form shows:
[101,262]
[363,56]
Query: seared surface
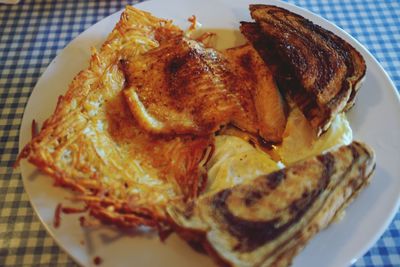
[181,87]
[264,110]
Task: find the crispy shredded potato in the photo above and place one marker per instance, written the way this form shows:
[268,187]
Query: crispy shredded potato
[92,144]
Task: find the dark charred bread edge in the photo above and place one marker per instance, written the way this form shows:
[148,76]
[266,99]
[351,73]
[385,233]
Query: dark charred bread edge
[284,74]
[287,256]
[320,116]
[354,60]
[327,162]
[255,234]
[302,236]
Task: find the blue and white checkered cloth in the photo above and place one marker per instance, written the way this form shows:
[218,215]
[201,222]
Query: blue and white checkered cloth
[34,31]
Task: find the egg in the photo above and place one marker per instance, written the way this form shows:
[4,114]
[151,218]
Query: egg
[300,141]
[236,161]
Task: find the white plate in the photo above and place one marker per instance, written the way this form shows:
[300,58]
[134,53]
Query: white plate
[375,119]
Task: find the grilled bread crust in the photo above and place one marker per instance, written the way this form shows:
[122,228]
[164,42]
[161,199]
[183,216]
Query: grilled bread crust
[267,221]
[315,68]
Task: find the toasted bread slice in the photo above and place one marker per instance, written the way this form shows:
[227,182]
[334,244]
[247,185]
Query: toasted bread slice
[258,94]
[318,70]
[268,220]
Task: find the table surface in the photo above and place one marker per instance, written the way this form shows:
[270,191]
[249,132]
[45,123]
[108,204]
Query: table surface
[33,32]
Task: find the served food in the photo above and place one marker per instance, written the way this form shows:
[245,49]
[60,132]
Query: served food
[93,144]
[162,130]
[265,110]
[180,87]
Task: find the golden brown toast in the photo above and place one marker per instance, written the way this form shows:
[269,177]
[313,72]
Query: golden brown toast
[268,220]
[318,70]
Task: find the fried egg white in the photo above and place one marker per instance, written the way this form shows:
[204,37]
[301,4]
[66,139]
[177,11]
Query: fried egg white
[300,141]
[235,161]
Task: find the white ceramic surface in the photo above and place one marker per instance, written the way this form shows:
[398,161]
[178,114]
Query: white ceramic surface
[375,119]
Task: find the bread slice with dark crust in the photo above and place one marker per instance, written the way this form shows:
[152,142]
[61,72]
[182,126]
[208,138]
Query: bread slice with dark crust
[316,69]
[267,221]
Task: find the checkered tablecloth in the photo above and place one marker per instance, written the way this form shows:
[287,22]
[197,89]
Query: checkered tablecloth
[34,31]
